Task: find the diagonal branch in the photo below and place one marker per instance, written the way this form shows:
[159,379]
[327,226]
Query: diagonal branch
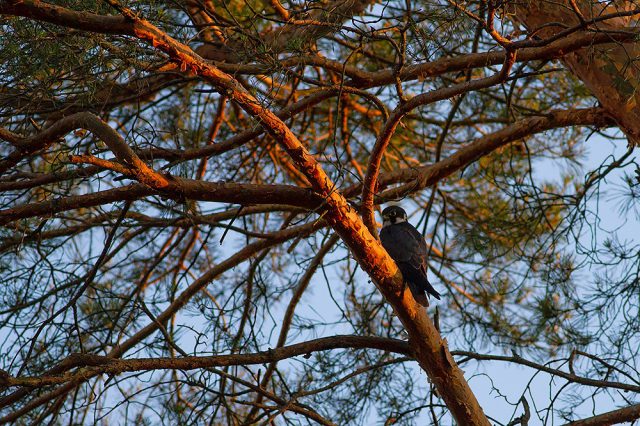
[422,177]
[431,351]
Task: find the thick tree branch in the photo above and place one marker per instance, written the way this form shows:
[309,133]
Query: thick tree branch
[608,71]
[80,20]
[621,415]
[431,350]
[89,365]
[425,176]
[179,189]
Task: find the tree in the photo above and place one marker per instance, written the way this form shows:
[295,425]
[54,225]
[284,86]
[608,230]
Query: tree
[188,209]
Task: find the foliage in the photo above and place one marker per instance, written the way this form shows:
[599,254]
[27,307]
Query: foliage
[524,242]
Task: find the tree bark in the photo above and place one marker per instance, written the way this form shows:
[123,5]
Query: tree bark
[431,351]
[620,415]
[607,70]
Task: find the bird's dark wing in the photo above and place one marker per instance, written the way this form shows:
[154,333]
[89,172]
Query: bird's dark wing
[406,245]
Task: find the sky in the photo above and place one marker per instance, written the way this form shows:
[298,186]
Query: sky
[499,385]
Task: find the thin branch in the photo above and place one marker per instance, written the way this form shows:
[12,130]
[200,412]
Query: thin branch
[573,378]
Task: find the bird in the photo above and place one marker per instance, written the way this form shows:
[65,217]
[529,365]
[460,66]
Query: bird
[407,247]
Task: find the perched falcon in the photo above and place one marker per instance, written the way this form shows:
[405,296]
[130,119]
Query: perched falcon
[407,247]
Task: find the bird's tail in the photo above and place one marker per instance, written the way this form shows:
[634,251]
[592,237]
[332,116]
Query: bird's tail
[423,285]
[419,284]
[419,294]
[429,289]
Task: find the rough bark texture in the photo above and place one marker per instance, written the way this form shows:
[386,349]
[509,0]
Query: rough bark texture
[430,349]
[621,415]
[607,70]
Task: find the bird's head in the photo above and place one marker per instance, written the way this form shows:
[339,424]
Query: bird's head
[392,215]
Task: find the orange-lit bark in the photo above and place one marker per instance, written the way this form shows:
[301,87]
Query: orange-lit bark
[430,349]
[608,70]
